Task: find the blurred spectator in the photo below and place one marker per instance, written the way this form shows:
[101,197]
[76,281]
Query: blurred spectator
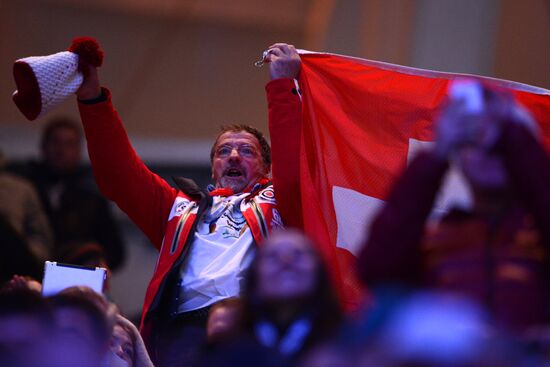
[537,341]
[289,303]
[18,282]
[76,327]
[288,307]
[114,340]
[92,319]
[84,323]
[25,231]
[25,324]
[76,212]
[224,320]
[429,329]
[329,354]
[223,334]
[72,328]
[126,348]
[16,256]
[496,253]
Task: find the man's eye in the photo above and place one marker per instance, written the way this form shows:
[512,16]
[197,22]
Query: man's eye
[224,151]
[247,151]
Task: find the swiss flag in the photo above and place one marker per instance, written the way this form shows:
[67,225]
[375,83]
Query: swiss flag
[362,121]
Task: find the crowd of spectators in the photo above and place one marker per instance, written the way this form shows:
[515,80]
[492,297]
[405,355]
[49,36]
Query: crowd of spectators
[78,219]
[288,315]
[470,289]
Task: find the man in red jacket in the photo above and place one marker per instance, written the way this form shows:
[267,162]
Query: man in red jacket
[206,239]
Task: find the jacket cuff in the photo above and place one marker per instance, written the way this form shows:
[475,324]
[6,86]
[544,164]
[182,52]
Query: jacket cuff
[103,97]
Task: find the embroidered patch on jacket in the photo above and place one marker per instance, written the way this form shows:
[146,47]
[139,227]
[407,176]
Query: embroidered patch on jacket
[277,221]
[266,196]
[179,206]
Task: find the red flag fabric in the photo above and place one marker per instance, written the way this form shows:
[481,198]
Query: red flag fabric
[362,120]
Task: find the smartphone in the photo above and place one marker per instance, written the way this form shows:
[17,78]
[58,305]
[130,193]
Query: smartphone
[59,276]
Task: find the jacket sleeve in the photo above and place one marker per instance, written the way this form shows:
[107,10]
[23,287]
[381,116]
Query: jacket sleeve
[121,175]
[285,123]
[391,254]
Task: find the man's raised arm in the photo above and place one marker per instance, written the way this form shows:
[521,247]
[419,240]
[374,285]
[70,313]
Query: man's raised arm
[119,172]
[285,124]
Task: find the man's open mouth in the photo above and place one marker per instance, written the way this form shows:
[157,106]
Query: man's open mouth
[234,172]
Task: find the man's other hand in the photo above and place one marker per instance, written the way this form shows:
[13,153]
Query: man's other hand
[284,61]
[90,88]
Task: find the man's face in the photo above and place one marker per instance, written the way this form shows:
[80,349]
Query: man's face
[62,150]
[238,161]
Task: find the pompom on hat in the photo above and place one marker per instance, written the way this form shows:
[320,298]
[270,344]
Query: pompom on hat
[43,82]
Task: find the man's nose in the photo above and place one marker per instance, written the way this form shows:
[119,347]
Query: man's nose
[234,154]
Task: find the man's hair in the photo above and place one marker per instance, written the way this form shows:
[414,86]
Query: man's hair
[264,145]
[56,124]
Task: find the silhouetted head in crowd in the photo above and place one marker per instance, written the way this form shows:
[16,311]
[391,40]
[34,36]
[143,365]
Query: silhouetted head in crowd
[288,268]
[434,329]
[25,322]
[470,137]
[84,322]
[288,280]
[224,320]
[61,145]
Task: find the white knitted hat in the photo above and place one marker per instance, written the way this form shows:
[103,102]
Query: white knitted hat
[43,82]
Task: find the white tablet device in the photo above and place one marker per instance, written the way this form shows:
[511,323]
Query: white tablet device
[60,276]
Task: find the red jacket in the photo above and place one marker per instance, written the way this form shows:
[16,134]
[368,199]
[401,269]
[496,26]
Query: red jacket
[167,215]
